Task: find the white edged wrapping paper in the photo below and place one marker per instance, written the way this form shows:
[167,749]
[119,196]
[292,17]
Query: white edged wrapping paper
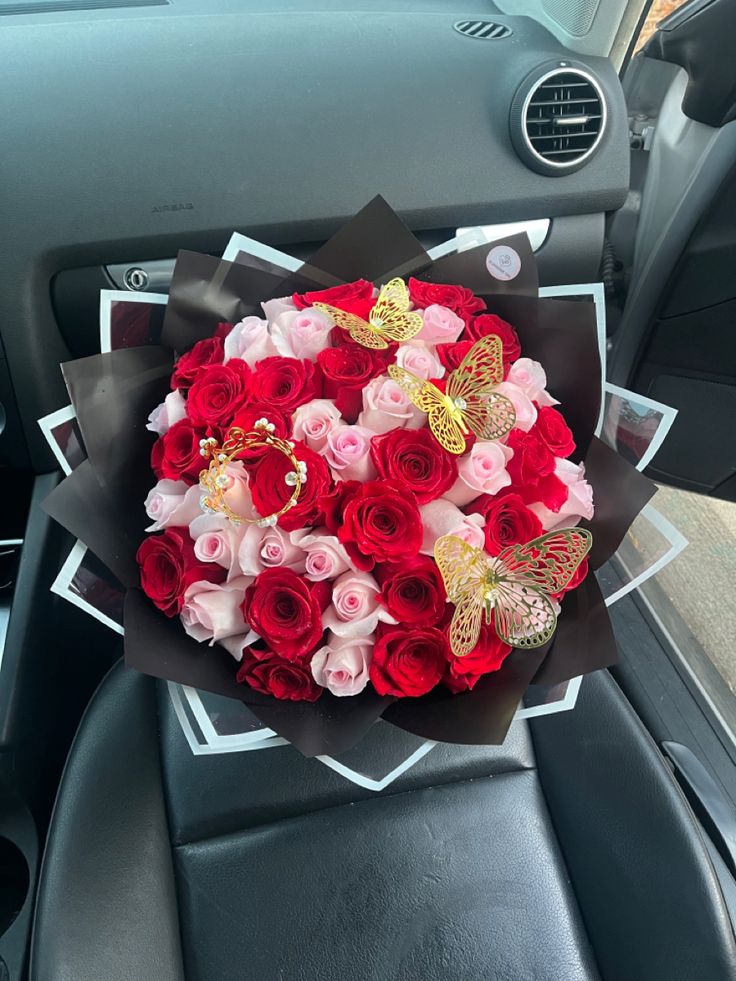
[62,438]
[110,297]
[642,414]
[650,544]
[72,584]
[243,244]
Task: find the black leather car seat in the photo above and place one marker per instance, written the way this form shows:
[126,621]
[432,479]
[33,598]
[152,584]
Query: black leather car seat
[568,856]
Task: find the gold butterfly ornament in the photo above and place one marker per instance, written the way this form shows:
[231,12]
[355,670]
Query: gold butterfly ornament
[469,402]
[390,318]
[514,586]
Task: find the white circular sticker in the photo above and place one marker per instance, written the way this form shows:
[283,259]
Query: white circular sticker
[503,262]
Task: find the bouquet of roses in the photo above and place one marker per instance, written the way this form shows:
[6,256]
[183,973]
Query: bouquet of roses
[366,497]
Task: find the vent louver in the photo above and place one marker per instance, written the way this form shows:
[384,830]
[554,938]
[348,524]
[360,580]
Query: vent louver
[484,30]
[558,119]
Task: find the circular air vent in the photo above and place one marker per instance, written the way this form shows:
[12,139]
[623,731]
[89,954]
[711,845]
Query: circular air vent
[558,116]
[484,30]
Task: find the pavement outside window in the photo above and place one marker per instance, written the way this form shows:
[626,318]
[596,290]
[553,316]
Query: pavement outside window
[700,583]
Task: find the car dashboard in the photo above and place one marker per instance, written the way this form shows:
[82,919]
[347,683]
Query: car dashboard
[139,129]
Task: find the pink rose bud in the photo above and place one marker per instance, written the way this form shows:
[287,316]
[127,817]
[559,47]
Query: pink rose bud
[419,360]
[314,421]
[482,471]
[277,306]
[250,341]
[386,406]
[235,645]
[216,539]
[441,517]
[441,326]
[172,503]
[237,494]
[326,557]
[347,451]
[579,503]
[268,548]
[213,612]
[341,666]
[530,377]
[526,413]
[356,608]
[301,333]
[172,409]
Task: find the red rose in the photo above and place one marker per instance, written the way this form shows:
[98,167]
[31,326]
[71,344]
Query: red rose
[176,455]
[168,567]
[217,393]
[272,675]
[414,457]
[532,458]
[489,323]
[285,383]
[549,490]
[285,610]
[451,355]
[488,655]
[270,490]
[554,431]
[413,592]
[246,419]
[409,663]
[508,521]
[223,329]
[347,369]
[580,573]
[459,299]
[333,503]
[208,351]
[381,523]
[354,298]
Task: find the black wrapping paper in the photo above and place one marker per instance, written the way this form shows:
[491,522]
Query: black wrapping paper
[470,268]
[102,501]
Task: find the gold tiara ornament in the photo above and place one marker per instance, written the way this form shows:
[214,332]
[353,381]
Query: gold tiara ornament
[215,480]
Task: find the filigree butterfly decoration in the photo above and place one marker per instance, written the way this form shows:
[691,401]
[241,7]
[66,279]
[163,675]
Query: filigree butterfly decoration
[469,402]
[389,320]
[515,586]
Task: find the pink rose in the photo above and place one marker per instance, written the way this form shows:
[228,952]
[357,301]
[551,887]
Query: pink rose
[579,503]
[441,517]
[441,326]
[237,494]
[526,413]
[172,503]
[355,609]
[419,360]
[217,540]
[326,557]
[172,409]
[275,307]
[268,548]
[530,377]
[314,421]
[341,666]
[250,341]
[347,451]
[482,471]
[212,612]
[235,645]
[301,333]
[386,407]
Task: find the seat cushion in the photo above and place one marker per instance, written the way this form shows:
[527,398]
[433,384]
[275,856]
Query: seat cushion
[282,869]
[459,881]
